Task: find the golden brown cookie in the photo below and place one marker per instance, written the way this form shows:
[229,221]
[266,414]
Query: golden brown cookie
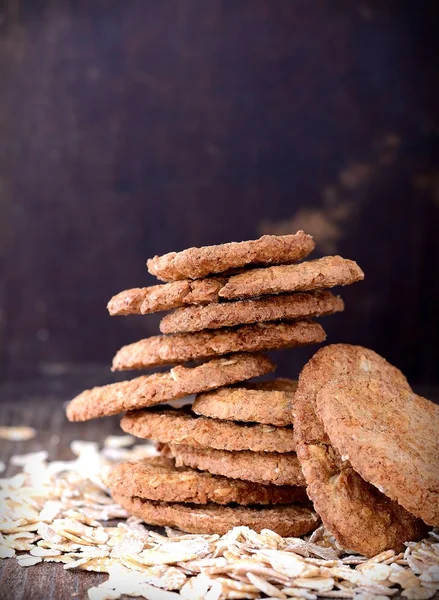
[390,437]
[195,263]
[287,520]
[183,347]
[328,363]
[158,478]
[181,426]
[141,301]
[326,272]
[288,307]
[359,515]
[160,387]
[260,467]
[268,402]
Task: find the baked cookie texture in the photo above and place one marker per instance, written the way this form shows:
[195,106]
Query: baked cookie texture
[195,263]
[328,363]
[180,426]
[159,479]
[156,298]
[232,460]
[184,347]
[361,518]
[286,520]
[358,514]
[390,437]
[326,272]
[260,467]
[149,390]
[268,402]
[288,307]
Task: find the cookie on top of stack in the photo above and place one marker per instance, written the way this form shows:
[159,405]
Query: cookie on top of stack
[230,459]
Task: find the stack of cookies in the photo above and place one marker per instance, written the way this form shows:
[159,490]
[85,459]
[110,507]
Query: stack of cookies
[229,459]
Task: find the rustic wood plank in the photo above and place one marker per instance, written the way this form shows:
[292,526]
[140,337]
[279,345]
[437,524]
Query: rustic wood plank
[54,433]
[13,580]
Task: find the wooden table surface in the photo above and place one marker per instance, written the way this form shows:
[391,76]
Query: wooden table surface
[39,404]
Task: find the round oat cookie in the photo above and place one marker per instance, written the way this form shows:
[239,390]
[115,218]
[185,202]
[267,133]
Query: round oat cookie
[195,263]
[183,347]
[288,307]
[326,272]
[390,437]
[142,301]
[287,520]
[260,467]
[160,387]
[158,478]
[181,426]
[358,514]
[268,402]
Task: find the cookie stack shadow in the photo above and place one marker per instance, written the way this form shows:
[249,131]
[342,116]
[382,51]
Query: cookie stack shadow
[229,458]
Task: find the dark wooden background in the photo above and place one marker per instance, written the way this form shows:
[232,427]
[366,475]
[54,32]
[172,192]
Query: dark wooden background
[134,128]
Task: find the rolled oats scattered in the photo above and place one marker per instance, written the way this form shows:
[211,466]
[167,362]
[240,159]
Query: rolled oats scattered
[195,588]
[431,574]
[308,549]
[415,565]
[299,593]
[17,434]
[353,559]
[370,596]
[320,584]
[26,560]
[265,586]
[20,545]
[393,559]
[97,593]
[317,535]
[378,572]
[235,595]
[285,563]
[337,594]
[237,584]
[119,441]
[6,552]
[215,592]
[377,589]
[419,593]
[38,551]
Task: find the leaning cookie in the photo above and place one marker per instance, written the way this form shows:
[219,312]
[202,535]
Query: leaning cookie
[287,520]
[158,478]
[195,263]
[160,387]
[326,272]
[287,307]
[390,437]
[156,298]
[360,517]
[180,426]
[184,347]
[259,467]
[268,402]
